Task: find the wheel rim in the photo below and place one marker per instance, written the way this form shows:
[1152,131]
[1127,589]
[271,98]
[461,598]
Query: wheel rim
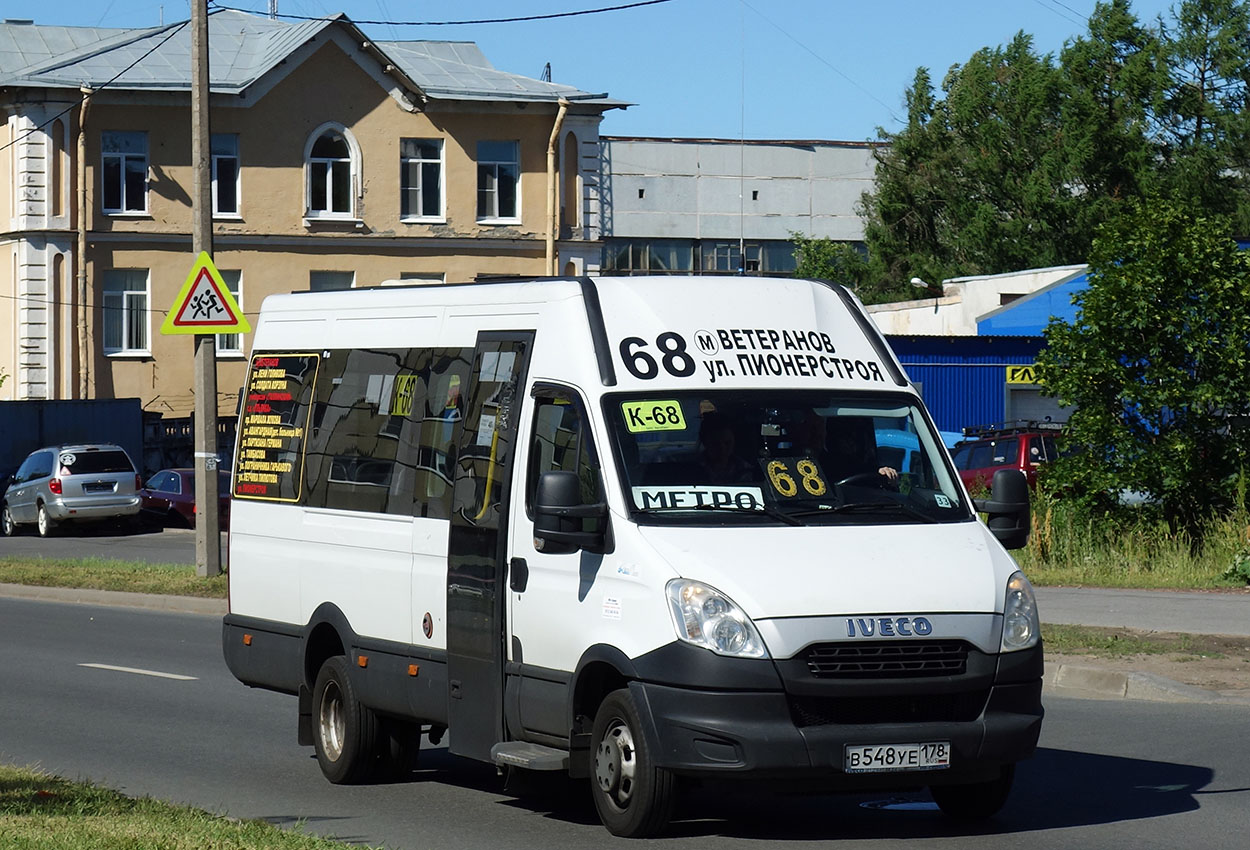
[332,725]
[7,520]
[616,762]
[43,520]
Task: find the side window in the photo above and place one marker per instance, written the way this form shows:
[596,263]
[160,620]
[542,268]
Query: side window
[440,413]
[982,456]
[561,441]
[125,311]
[1007,451]
[124,172]
[331,166]
[42,467]
[421,178]
[225,167]
[1049,450]
[362,450]
[498,180]
[960,455]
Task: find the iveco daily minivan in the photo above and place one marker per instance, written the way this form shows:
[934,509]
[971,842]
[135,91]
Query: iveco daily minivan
[634,529]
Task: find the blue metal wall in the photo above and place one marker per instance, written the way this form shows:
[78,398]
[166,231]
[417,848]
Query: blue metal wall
[963,378]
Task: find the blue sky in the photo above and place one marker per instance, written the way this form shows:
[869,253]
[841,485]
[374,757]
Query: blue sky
[759,69]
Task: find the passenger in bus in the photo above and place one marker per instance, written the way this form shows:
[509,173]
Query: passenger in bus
[719,461]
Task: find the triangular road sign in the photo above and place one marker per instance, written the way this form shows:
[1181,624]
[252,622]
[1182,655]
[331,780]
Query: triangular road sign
[204,305]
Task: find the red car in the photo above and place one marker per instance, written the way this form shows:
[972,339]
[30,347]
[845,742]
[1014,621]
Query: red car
[169,498]
[1011,445]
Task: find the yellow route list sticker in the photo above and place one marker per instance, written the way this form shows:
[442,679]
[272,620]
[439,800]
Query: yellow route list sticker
[664,415]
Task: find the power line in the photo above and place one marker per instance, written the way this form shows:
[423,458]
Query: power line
[823,61]
[77,103]
[518,19]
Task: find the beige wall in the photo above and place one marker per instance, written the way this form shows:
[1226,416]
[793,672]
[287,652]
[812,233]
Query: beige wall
[271,243]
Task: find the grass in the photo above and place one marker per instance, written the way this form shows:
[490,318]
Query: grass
[1066,550]
[42,812]
[104,574]
[1099,642]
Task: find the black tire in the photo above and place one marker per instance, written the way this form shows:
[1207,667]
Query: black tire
[345,733]
[634,798]
[975,801]
[399,750]
[44,523]
[7,525]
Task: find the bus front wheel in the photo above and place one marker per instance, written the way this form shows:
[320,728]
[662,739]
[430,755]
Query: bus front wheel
[634,798]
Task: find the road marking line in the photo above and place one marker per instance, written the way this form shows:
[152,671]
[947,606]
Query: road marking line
[155,673]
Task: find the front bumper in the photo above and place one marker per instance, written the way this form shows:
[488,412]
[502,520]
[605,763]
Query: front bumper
[990,721]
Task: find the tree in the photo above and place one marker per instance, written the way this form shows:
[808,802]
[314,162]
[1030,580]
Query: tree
[1157,364]
[1204,116]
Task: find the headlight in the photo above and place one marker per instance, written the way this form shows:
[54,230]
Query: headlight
[708,618]
[1021,627]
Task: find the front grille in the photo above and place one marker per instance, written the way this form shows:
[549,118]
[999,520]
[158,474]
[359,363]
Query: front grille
[887,660]
[912,708]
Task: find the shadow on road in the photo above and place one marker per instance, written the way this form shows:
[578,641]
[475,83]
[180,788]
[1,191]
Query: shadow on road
[1054,790]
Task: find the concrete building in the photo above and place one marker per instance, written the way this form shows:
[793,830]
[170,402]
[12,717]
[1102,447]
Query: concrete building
[338,161]
[723,205]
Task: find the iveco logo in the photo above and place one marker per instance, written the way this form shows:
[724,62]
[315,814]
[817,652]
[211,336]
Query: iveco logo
[887,626]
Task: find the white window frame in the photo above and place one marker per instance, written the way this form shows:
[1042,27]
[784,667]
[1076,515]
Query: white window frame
[131,306]
[419,162]
[238,180]
[122,159]
[494,165]
[231,345]
[353,183]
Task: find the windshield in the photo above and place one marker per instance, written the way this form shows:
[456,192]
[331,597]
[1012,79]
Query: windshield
[751,456]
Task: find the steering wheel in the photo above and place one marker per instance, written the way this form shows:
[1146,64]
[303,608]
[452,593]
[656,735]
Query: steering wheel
[860,478]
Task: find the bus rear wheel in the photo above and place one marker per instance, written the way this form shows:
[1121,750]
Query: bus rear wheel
[345,732]
[634,798]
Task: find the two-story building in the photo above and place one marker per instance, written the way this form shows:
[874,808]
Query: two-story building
[337,161]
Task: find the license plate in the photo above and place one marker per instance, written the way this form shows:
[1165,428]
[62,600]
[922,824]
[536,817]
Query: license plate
[883,758]
[98,488]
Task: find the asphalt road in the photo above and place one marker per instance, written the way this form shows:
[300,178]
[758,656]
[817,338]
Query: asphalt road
[101,540]
[1108,774]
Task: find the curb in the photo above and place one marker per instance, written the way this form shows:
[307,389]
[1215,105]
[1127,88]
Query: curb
[126,599]
[1068,680]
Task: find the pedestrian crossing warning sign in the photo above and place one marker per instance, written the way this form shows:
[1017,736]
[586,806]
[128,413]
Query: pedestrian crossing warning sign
[204,304]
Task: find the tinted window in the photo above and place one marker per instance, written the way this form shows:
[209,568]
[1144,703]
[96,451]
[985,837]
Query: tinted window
[94,463]
[1006,451]
[41,466]
[561,442]
[960,455]
[982,456]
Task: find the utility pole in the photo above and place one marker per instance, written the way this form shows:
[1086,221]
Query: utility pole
[207,536]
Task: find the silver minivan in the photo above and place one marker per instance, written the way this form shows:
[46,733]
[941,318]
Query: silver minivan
[85,482]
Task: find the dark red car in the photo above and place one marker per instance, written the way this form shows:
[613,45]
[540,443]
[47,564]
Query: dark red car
[985,449]
[168,498]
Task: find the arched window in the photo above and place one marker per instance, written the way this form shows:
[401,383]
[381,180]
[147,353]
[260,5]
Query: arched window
[332,160]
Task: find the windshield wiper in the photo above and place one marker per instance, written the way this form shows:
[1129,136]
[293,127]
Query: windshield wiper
[870,507]
[767,510]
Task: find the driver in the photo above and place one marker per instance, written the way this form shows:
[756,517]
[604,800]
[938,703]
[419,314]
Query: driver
[852,450]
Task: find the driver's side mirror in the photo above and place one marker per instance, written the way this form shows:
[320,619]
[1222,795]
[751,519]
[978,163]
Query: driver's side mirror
[558,515]
[1007,508]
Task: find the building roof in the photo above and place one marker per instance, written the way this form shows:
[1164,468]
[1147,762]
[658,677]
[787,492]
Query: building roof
[243,48]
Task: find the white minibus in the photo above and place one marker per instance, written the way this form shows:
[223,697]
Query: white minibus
[642,530]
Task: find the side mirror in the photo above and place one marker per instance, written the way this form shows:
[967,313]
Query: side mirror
[1007,508]
[558,515]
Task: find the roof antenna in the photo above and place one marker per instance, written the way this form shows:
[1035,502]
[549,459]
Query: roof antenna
[546,74]
[273,10]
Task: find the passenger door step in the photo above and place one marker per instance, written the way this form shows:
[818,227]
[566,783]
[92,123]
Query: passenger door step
[529,756]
